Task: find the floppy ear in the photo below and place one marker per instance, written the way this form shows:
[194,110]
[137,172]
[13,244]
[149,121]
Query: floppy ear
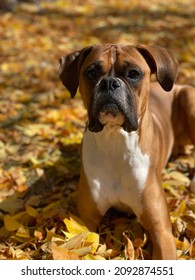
[162,63]
[69,69]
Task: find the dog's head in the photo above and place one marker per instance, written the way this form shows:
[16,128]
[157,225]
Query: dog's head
[114,81]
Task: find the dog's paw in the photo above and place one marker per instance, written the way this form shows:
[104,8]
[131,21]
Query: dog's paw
[192,185]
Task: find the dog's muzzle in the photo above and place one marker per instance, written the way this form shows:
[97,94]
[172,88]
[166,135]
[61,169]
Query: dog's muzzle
[112,104]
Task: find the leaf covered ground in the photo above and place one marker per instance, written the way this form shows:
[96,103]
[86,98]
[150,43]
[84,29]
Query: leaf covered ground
[41,128]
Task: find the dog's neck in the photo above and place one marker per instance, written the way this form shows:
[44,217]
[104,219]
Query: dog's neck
[114,138]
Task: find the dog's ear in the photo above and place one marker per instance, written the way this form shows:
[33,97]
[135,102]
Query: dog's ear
[162,63]
[69,69]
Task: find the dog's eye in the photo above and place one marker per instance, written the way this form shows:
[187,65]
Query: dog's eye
[133,74]
[91,74]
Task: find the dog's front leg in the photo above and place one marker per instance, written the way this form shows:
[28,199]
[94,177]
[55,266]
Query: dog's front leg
[156,221]
[87,207]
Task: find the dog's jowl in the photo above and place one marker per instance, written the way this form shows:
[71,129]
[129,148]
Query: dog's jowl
[133,128]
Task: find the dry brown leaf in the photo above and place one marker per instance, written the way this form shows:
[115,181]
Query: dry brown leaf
[61,253]
[138,242]
[11,205]
[75,241]
[129,249]
[81,252]
[192,250]
[190,231]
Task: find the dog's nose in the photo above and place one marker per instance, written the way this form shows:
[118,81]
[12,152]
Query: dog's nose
[110,84]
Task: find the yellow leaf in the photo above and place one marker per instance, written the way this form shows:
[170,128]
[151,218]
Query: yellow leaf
[89,257]
[179,177]
[19,216]
[60,253]
[93,257]
[181,209]
[75,225]
[10,223]
[50,206]
[93,238]
[21,255]
[50,234]
[68,234]
[23,232]
[183,245]
[31,211]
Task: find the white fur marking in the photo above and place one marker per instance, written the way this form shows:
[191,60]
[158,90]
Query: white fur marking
[112,61]
[115,167]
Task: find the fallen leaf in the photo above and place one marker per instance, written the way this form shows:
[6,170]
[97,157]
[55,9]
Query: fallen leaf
[93,239]
[75,241]
[23,232]
[31,211]
[60,253]
[181,209]
[11,205]
[75,225]
[10,223]
[183,245]
[178,176]
[129,249]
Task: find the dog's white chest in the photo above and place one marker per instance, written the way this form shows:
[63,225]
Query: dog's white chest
[115,168]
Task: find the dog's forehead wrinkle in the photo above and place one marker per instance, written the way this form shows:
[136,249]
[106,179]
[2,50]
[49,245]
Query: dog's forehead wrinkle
[131,55]
[97,63]
[111,57]
[110,50]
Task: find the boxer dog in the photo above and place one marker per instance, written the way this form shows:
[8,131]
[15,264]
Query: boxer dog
[133,127]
